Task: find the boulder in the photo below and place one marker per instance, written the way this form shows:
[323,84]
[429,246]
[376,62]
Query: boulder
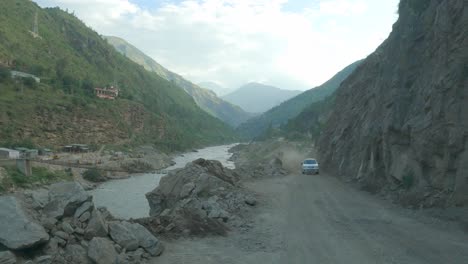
[76,254]
[38,198]
[122,236]
[62,235]
[6,257]
[199,178]
[97,227]
[67,228]
[145,239]
[101,251]
[217,169]
[84,217]
[187,189]
[65,198]
[85,207]
[17,230]
[47,259]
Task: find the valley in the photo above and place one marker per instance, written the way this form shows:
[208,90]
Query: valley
[107,156]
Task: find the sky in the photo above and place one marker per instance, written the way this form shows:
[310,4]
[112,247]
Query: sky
[291,44]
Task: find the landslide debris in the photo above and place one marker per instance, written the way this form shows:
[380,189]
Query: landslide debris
[60,224]
[204,198]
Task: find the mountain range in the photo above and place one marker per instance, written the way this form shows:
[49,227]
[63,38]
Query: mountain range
[206,99]
[279,115]
[258,98]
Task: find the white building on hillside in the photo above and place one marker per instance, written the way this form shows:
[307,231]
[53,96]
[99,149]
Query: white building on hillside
[9,153]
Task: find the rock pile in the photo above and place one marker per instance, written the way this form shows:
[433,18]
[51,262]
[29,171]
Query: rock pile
[201,199]
[61,225]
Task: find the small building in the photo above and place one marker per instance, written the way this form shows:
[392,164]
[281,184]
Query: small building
[9,153]
[76,148]
[107,93]
[32,153]
[26,153]
[45,152]
[18,74]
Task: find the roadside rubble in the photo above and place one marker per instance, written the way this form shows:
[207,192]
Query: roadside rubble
[61,225]
[204,198]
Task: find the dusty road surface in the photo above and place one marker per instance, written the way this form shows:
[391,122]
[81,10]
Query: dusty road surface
[318,219]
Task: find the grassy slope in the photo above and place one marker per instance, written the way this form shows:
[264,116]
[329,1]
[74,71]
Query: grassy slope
[71,59]
[204,98]
[291,108]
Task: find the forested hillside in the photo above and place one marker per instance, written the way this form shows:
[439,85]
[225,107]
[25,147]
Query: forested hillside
[279,115]
[205,99]
[71,60]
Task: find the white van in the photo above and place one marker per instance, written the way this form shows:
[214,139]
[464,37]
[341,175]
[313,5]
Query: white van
[310,166]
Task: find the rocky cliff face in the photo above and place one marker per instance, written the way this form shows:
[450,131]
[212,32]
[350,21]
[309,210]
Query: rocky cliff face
[400,121]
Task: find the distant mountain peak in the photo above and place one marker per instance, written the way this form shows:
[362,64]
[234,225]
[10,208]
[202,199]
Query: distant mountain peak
[205,98]
[257,98]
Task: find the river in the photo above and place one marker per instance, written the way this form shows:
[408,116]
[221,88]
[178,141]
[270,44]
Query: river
[126,199]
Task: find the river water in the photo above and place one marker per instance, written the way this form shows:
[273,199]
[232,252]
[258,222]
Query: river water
[126,199]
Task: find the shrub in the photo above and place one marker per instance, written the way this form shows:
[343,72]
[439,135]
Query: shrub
[29,82]
[94,175]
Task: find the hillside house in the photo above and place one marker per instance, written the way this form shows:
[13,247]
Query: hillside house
[107,93]
[18,74]
[9,153]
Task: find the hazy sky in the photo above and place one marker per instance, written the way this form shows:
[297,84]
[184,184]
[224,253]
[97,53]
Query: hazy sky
[296,44]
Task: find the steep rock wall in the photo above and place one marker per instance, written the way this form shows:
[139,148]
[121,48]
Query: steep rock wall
[400,121]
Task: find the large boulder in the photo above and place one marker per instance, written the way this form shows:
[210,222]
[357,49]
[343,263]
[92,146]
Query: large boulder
[65,198]
[6,257]
[199,178]
[101,251]
[145,239]
[17,230]
[97,226]
[122,235]
[76,254]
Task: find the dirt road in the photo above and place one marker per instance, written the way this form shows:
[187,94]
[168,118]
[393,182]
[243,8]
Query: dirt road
[318,219]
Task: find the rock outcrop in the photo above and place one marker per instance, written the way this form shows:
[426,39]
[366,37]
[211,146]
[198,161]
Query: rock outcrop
[400,121]
[201,199]
[61,225]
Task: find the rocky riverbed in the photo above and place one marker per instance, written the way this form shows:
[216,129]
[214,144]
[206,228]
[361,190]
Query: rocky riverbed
[60,224]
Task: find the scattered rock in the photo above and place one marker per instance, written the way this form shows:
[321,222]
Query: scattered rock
[39,198]
[85,207]
[145,239]
[250,201]
[122,236]
[67,228]
[62,235]
[102,251]
[65,198]
[60,241]
[48,223]
[97,227]
[6,257]
[187,189]
[76,254]
[17,230]
[84,217]
[79,231]
[44,259]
